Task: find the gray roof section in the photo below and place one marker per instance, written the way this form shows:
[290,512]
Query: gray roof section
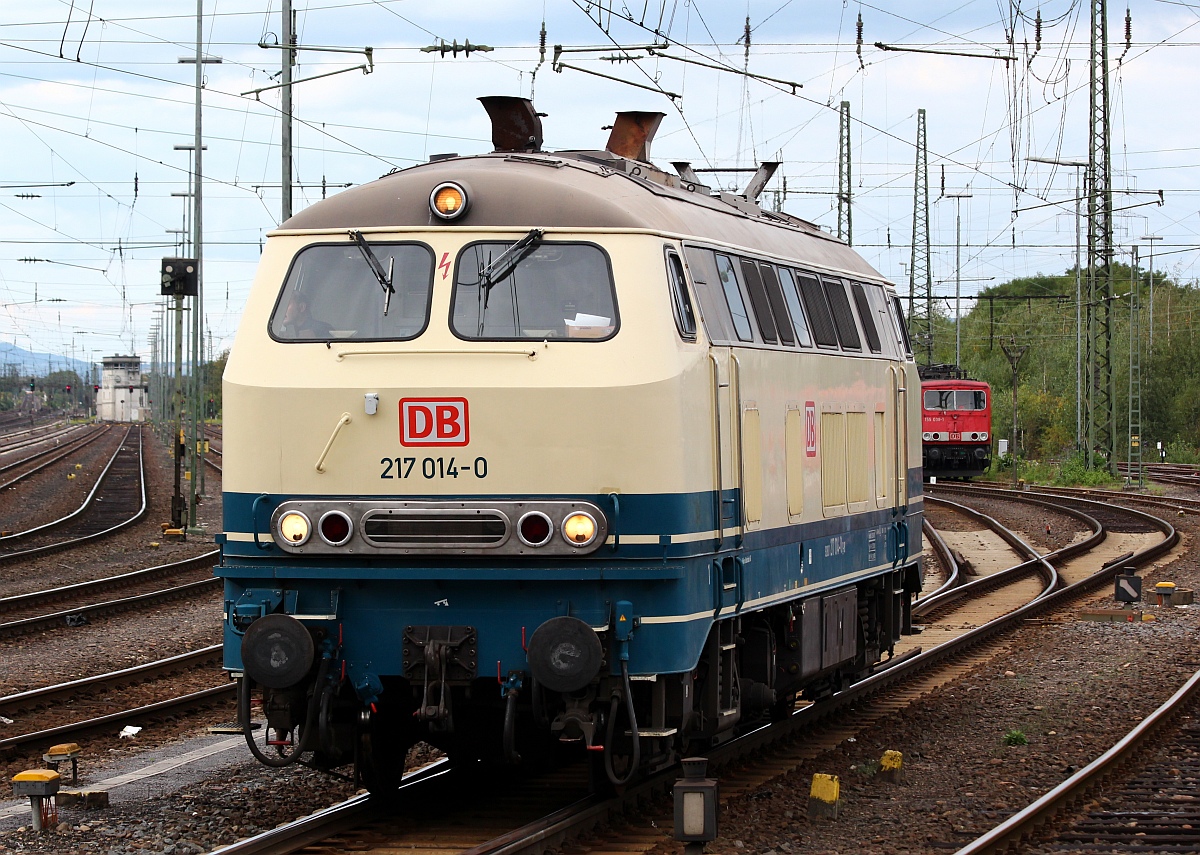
[577,190]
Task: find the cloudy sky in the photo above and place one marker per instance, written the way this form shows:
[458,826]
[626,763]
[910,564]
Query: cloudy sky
[94,101]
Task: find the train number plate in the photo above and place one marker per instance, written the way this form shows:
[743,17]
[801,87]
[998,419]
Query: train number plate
[956,437]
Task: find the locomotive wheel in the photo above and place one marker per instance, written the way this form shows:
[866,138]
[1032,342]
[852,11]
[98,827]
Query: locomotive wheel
[784,707]
[381,752]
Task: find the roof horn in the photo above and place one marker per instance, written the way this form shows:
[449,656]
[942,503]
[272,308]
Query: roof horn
[632,133]
[516,125]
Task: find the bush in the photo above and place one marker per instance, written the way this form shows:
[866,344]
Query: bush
[1015,737]
[1074,472]
[1179,451]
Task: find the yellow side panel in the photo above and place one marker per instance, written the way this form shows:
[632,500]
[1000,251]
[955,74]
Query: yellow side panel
[884,467]
[858,475]
[752,487]
[833,462]
[794,454]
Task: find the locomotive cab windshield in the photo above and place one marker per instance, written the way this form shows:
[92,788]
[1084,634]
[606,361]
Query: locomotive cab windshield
[543,290]
[340,290]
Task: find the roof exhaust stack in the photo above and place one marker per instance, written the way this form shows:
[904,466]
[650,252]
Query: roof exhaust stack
[516,125]
[765,170]
[632,133]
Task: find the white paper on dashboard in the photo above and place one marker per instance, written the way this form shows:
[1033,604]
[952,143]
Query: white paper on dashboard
[583,319]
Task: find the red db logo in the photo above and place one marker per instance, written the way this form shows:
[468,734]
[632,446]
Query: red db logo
[433,422]
[810,428]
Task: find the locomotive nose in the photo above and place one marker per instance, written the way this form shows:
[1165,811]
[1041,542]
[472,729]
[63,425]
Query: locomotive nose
[565,654]
[277,651]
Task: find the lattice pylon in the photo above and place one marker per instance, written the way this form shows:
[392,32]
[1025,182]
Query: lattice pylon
[845,182]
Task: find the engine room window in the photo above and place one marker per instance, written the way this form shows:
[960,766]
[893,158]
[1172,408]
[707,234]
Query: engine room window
[758,299]
[733,297]
[333,293]
[864,316]
[799,322]
[902,326]
[532,290]
[778,307]
[818,311]
[843,315]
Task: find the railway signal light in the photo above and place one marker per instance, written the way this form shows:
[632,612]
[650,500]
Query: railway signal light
[95,387]
[180,277]
[31,384]
[68,388]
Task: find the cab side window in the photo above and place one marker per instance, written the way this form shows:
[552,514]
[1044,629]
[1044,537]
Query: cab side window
[681,303]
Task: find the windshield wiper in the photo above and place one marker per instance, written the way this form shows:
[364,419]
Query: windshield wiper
[506,262]
[385,279]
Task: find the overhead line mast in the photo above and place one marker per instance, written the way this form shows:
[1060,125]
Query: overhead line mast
[920,276]
[1101,428]
[845,182]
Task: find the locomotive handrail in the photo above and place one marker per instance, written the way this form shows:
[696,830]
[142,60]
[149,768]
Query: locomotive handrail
[530,354]
[342,422]
[719,502]
[899,441]
[615,528]
[735,373]
[259,499]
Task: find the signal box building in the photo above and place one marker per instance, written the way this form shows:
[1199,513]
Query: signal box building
[120,397]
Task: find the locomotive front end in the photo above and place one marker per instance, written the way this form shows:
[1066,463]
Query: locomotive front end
[433,440]
[527,453]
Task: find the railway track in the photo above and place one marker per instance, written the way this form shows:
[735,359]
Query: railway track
[72,710]
[1146,811]
[17,440]
[16,471]
[1147,808]
[117,500]
[73,596]
[811,730]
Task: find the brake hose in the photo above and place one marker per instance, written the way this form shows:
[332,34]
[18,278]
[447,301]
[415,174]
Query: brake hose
[310,721]
[636,760]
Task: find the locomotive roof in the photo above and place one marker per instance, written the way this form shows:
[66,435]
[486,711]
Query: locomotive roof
[578,190]
[953,383]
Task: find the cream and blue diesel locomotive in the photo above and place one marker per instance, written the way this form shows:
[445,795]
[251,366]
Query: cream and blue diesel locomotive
[534,449]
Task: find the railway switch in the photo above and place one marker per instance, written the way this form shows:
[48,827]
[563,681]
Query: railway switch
[40,785]
[696,800]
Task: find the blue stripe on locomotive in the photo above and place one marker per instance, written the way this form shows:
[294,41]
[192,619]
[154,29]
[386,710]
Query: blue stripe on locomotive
[675,587]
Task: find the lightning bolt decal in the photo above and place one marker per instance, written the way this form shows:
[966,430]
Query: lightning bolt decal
[444,265]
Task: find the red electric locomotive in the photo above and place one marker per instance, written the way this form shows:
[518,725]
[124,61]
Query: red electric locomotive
[956,425]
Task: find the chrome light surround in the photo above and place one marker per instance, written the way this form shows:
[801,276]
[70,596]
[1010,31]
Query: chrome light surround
[349,527]
[293,527]
[531,515]
[572,521]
